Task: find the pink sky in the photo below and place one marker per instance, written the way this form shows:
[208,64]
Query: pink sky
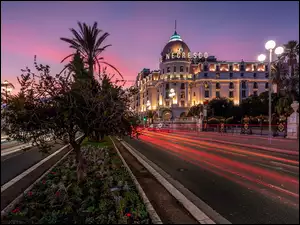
[139,31]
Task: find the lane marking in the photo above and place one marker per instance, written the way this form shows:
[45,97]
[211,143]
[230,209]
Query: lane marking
[199,215]
[152,213]
[26,172]
[15,149]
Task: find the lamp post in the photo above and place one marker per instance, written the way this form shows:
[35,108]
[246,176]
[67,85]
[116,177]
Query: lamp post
[171,95]
[270,45]
[148,104]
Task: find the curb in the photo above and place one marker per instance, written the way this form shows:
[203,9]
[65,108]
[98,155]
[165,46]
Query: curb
[17,200]
[199,215]
[16,149]
[11,205]
[152,213]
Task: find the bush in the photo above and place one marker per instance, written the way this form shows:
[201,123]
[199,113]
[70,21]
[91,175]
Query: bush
[107,197]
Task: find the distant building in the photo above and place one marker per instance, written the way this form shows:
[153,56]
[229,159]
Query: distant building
[194,79]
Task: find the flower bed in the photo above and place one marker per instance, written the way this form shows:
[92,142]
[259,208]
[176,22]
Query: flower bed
[108,196]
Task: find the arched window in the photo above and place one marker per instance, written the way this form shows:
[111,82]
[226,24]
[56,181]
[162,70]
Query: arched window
[181,68]
[243,84]
[255,85]
[218,86]
[231,86]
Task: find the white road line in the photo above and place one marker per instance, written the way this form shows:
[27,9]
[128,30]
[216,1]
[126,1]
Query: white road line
[152,213]
[200,216]
[15,149]
[26,172]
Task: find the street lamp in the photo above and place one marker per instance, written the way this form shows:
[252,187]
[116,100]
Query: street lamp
[171,95]
[148,104]
[270,45]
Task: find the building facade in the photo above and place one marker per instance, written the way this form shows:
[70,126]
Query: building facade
[194,78]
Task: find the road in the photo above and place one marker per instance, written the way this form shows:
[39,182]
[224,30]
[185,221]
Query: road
[14,164]
[245,185]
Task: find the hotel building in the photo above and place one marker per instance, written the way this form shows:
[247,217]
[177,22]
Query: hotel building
[195,78]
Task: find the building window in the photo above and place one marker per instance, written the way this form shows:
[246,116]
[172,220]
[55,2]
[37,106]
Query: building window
[194,102]
[168,70]
[174,68]
[230,94]
[242,68]
[205,74]
[231,75]
[243,84]
[182,103]
[206,85]
[181,76]
[242,74]
[147,92]
[163,71]
[266,67]
[205,68]
[167,103]
[181,68]
[217,94]
[217,68]
[267,75]
[206,94]
[182,95]
[217,75]
[169,77]
[254,74]
[243,93]
[167,94]
[230,67]
[266,85]
[231,86]
[182,86]
[255,93]
[187,69]
[167,86]
[194,93]
[254,67]
[218,85]
[254,85]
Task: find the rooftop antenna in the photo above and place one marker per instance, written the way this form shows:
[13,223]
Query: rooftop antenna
[175,25]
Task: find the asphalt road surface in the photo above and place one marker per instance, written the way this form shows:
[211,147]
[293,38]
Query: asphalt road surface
[245,185]
[14,164]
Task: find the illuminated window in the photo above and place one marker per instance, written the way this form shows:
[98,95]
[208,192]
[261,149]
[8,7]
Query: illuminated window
[206,85]
[182,95]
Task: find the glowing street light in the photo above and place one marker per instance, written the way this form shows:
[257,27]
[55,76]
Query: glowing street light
[270,45]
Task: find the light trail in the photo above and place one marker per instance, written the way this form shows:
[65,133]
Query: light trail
[238,172]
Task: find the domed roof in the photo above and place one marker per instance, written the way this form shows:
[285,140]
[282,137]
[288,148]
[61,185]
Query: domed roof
[175,45]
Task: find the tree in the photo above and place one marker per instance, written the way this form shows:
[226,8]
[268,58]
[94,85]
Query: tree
[66,106]
[220,107]
[195,110]
[88,43]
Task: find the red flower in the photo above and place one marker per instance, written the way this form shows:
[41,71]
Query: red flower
[57,194]
[29,193]
[16,210]
[128,214]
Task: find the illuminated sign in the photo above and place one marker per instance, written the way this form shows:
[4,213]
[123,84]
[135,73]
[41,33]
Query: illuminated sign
[183,55]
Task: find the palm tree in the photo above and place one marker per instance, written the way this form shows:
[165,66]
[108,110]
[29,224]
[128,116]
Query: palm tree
[291,51]
[88,43]
[278,73]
